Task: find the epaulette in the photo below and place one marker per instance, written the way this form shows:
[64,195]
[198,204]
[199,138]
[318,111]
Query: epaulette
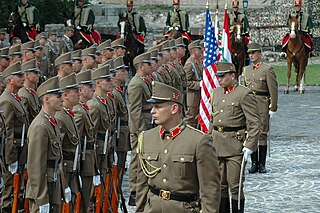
[197,130]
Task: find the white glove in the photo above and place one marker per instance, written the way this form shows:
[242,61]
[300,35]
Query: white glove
[13,168]
[96,180]
[78,28]
[272,114]
[89,28]
[67,194]
[44,208]
[143,34]
[24,24]
[38,27]
[200,83]
[246,153]
[170,28]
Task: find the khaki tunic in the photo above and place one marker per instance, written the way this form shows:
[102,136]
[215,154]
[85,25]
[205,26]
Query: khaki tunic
[263,80]
[237,108]
[31,101]
[45,151]
[65,45]
[188,164]
[175,76]
[70,140]
[194,72]
[165,74]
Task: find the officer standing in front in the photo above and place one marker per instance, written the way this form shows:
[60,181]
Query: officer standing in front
[177,162]
[17,123]
[235,126]
[261,79]
[45,153]
[139,91]
[194,71]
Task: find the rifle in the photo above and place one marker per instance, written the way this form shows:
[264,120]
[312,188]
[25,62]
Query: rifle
[74,168]
[26,200]
[243,165]
[84,148]
[115,184]
[16,176]
[52,185]
[108,186]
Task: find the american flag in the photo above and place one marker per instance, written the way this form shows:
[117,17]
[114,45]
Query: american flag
[210,81]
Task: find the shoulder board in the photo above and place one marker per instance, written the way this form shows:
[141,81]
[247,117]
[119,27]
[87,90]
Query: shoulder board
[265,64]
[197,130]
[246,88]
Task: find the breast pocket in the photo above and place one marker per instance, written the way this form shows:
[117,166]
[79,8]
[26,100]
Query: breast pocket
[235,107]
[182,165]
[151,161]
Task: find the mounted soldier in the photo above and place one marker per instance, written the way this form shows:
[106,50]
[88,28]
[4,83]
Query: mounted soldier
[30,18]
[236,15]
[178,20]
[305,26]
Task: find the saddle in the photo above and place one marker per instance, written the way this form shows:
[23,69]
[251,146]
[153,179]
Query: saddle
[92,37]
[305,37]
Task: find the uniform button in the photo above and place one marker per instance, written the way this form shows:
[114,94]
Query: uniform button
[253,74]
[223,101]
[219,120]
[165,151]
[148,157]
[182,159]
[232,103]
[227,92]
[252,86]
[164,165]
[168,137]
[164,180]
[221,110]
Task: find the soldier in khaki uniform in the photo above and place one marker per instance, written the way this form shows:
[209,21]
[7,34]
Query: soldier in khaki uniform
[106,50]
[15,54]
[2,37]
[194,71]
[177,162]
[119,48]
[139,91]
[155,76]
[42,61]
[77,61]
[235,126]
[119,93]
[65,43]
[28,92]
[261,79]
[45,153]
[177,18]
[17,123]
[2,144]
[89,167]
[4,59]
[88,59]
[64,65]
[176,73]
[27,51]
[164,69]
[71,147]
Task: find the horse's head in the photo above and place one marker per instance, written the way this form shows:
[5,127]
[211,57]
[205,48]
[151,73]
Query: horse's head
[238,30]
[125,27]
[293,25]
[13,21]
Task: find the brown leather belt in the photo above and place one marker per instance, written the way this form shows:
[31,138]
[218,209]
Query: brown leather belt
[167,195]
[228,129]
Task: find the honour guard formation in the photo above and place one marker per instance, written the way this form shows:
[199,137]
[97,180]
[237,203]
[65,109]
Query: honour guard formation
[71,110]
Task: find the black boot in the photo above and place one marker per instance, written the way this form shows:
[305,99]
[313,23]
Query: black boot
[224,205]
[255,163]
[235,206]
[132,199]
[262,159]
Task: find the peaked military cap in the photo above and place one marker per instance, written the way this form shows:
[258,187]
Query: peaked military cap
[142,58]
[254,47]
[129,2]
[37,45]
[162,93]
[76,55]
[194,44]
[3,31]
[165,46]
[224,68]
[106,45]
[63,59]
[84,77]
[118,63]
[50,86]
[52,32]
[14,69]
[159,47]
[172,44]
[28,46]
[30,66]
[69,82]
[297,2]
[118,43]
[179,42]
[91,51]
[235,3]
[41,35]
[176,2]
[15,50]
[101,72]
[4,52]
[154,54]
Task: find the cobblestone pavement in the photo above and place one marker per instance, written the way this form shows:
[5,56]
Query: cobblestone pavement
[292,183]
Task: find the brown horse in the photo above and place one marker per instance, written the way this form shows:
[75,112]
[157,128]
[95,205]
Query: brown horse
[238,47]
[15,28]
[298,54]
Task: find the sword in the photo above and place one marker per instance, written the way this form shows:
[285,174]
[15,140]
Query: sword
[241,180]
[75,161]
[84,148]
[105,145]
[269,140]
[23,131]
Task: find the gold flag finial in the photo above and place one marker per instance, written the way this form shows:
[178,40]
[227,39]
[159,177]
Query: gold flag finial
[207,4]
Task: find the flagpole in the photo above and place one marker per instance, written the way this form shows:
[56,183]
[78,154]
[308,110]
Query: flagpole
[207,4]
